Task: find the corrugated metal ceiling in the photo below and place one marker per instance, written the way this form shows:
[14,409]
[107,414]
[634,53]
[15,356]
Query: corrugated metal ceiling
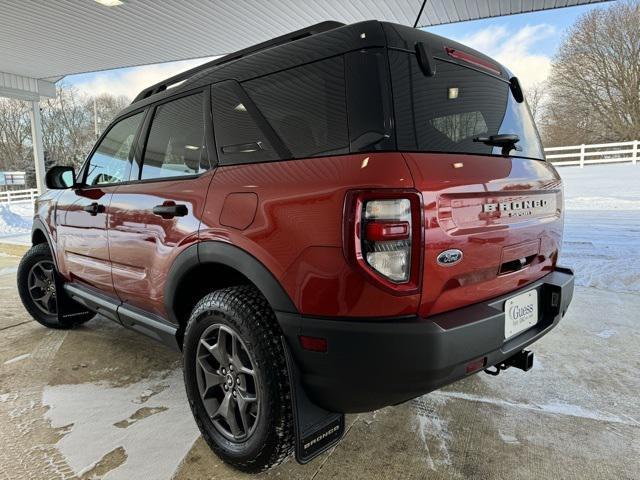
[50,39]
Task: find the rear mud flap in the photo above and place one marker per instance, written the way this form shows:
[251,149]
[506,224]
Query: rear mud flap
[316,429]
[69,311]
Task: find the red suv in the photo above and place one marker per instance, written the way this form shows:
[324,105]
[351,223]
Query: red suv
[336,220]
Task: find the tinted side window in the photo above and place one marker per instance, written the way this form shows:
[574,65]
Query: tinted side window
[110,162]
[176,143]
[238,136]
[306,106]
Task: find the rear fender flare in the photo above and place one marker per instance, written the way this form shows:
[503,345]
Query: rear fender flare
[231,256]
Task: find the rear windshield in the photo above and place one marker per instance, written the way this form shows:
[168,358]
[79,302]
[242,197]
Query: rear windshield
[445,112]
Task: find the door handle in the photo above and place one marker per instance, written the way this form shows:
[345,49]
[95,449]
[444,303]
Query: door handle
[93,209]
[170,211]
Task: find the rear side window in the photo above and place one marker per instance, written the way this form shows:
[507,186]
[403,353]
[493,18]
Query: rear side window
[110,163]
[239,136]
[306,106]
[445,112]
[295,113]
[176,142]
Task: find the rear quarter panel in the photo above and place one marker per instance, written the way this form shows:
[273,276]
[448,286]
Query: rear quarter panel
[297,229]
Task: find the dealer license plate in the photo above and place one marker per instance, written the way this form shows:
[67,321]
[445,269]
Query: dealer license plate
[520,313]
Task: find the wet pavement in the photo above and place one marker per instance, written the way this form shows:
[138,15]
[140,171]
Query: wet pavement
[103,402]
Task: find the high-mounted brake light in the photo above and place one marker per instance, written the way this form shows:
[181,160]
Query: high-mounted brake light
[472,59]
[383,237]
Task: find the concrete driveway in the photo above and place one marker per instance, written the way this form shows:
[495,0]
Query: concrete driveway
[102,402]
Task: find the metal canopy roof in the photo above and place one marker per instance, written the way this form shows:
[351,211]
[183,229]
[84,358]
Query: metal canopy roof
[48,40]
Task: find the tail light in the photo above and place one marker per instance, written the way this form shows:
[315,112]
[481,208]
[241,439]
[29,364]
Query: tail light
[383,237]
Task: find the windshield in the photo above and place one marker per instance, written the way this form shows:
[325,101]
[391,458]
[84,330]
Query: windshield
[445,112]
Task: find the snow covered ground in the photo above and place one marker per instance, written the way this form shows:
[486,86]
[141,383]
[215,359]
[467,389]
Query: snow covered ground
[602,225]
[15,219]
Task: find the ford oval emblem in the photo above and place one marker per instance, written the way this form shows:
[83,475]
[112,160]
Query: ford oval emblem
[449,257]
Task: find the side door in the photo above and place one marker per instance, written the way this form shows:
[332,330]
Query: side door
[82,213]
[156,215]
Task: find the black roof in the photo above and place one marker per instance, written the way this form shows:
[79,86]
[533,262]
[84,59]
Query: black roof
[313,43]
[319,41]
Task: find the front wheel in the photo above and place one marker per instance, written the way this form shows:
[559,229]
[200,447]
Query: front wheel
[37,288]
[236,379]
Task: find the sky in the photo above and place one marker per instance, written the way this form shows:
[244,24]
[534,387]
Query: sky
[525,43]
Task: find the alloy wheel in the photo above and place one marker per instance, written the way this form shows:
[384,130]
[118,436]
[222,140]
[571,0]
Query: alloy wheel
[228,382]
[42,286]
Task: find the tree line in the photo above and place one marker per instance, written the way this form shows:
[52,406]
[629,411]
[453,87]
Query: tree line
[69,124]
[593,92]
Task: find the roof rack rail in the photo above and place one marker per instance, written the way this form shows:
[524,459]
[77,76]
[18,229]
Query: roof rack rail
[289,37]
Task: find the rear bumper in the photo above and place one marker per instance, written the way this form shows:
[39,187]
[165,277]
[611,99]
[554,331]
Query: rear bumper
[374,363]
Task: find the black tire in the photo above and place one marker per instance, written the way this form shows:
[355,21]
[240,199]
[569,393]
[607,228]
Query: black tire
[244,312]
[40,255]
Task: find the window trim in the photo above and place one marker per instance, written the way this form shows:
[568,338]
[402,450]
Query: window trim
[141,145]
[85,166]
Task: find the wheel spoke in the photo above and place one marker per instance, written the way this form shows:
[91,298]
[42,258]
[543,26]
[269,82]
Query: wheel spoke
[48,273]
[37,283]
[210,377]
[223,408]
[242,409]
[219,350]
[232,421]
[246,398]
[39,298]
[45,299]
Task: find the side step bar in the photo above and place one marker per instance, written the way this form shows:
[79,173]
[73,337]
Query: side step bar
[126,315]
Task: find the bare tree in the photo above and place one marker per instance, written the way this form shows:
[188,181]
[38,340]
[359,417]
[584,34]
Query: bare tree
[68,129]
[594,87]
[107,107]
[536,96]
[15,135]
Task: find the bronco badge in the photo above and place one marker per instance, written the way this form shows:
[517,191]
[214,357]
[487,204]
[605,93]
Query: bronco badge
[449,257]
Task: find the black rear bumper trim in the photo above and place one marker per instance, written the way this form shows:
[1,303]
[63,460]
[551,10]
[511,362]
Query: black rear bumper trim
[376,363]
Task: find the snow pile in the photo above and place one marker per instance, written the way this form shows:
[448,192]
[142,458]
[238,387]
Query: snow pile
[602,225]
[15,218]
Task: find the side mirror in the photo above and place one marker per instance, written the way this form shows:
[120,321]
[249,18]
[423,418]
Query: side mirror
[60,178]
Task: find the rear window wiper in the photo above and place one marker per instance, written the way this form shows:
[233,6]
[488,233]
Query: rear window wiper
[505,140]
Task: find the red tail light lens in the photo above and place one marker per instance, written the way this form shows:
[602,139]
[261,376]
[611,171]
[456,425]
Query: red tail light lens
[383,237]
[389,256]
[385,231]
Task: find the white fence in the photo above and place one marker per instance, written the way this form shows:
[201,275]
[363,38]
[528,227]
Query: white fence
[582,155]
[18,196]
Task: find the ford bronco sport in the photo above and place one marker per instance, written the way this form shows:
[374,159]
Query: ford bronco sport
[334,221]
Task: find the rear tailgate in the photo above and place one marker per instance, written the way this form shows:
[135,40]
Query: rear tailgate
[504,214]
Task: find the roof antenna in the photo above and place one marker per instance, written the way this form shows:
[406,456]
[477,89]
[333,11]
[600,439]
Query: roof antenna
[424,2]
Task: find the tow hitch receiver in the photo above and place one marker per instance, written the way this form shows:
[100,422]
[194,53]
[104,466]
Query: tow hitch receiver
[522,360]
